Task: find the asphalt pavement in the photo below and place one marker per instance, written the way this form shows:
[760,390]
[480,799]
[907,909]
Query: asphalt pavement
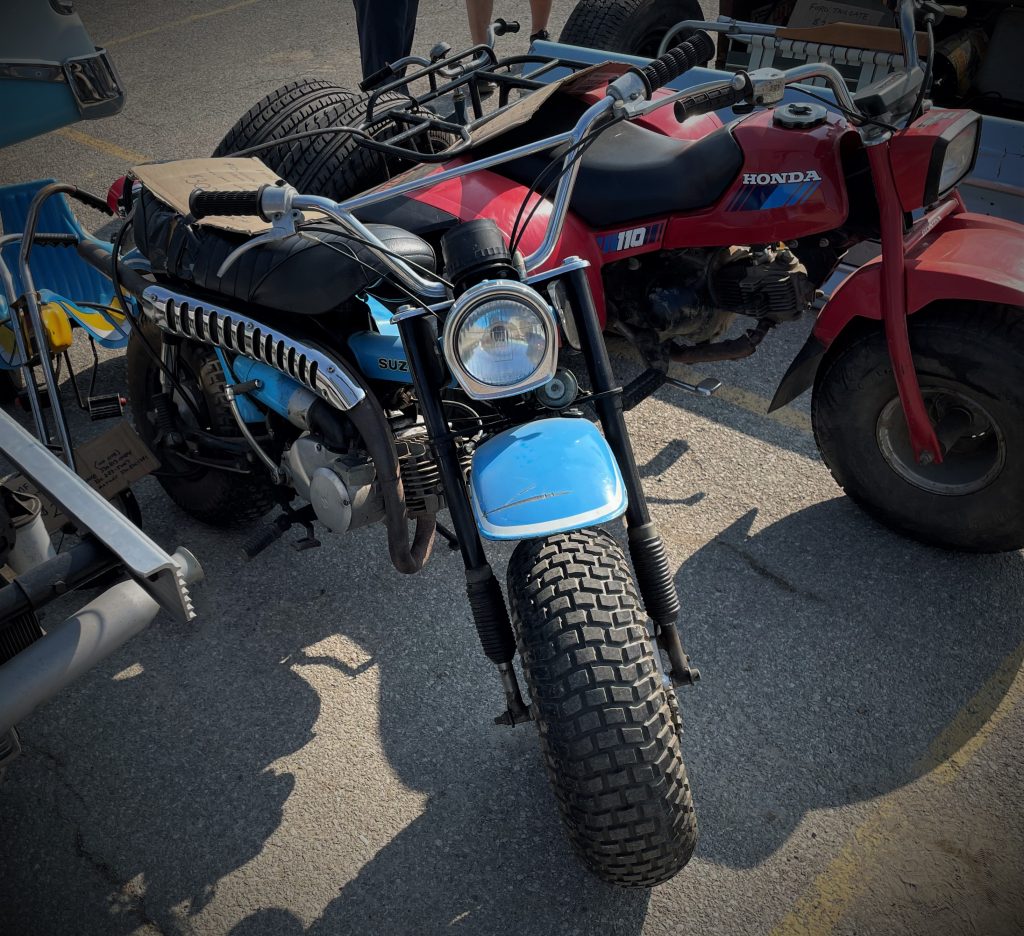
[316,754]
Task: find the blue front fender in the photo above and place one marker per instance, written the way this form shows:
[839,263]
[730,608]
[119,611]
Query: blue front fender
[544,477]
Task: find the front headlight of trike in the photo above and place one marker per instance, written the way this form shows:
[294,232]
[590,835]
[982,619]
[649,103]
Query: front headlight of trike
[952,157]
[500,340]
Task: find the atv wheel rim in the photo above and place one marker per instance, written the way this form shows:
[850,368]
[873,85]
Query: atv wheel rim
[974,446]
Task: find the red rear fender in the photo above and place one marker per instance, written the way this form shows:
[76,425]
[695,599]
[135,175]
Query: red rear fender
[968,257]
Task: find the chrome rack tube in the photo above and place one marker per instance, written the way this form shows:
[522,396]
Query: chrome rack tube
[36,317]
[21,343]
[311,203]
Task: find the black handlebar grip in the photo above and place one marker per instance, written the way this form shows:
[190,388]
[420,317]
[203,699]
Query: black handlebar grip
[226,204]
[708,101]
[56,240]
[502,26]
[87,198]
[697,50]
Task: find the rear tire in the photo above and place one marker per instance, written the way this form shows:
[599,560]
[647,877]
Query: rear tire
[330,165]
[633,27]
[969,360]
[609,724]
[219,498]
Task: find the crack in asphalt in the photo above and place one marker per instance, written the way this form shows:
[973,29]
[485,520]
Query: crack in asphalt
[772,577]
[136,903]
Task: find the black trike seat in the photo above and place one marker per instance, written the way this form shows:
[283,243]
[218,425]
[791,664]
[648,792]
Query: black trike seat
[629,172]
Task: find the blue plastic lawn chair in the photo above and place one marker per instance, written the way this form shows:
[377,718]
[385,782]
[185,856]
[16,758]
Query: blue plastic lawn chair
[60,274]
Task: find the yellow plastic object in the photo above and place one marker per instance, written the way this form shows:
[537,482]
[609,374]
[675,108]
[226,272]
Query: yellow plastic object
[104,326]
[8,348]
[57,326]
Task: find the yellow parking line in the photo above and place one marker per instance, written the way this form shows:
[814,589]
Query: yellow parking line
[129,157]
[828,900]
[184,21]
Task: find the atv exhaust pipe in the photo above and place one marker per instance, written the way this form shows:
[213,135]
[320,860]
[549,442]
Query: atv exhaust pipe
[79,643]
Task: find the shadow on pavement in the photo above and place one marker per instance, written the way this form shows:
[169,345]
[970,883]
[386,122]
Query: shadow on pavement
[832,659]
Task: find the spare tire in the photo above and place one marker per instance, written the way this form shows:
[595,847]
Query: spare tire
[633,27]
[331,165]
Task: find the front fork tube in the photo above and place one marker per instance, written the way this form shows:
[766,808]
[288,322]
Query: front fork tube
[923,440]
[490,614]
[646,548]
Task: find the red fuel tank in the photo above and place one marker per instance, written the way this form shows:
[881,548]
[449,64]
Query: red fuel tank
[791,185]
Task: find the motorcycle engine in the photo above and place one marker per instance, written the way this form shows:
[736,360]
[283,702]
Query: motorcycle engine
[765,282]
[694,294]
[342,487]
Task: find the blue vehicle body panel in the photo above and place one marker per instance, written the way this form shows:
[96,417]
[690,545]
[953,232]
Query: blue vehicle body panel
[380,356]
[275,392]
[31,108]
[548,476]
[381,315]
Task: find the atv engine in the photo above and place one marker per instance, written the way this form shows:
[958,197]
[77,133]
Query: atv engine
[694,294]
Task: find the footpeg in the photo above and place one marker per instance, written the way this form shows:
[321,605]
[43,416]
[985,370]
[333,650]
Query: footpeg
[105,406]
[271,533]
[707,387]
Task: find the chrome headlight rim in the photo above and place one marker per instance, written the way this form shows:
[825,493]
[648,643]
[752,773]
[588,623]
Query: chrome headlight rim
[512,291]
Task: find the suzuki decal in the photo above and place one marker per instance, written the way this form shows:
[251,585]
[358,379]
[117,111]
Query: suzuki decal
[763,190]
[631,238]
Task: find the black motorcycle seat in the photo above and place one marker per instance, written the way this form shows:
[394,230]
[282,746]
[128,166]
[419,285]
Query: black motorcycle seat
[295,275]
[628,173]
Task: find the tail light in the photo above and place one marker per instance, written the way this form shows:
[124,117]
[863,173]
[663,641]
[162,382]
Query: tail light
[115,197]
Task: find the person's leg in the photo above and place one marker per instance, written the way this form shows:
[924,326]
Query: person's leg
[411,12]
[380,42]
[480,13]
[540,13]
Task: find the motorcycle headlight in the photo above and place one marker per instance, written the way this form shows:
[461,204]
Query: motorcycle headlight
[952,157]
[500,339]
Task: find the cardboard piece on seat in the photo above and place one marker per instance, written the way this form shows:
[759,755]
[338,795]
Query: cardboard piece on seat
[173,183]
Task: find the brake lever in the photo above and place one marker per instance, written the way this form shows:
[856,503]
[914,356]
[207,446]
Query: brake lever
[282,226]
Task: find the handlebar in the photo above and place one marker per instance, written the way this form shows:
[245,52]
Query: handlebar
[712,99]
[697,50]
[56,240]
[501,27]
[202,204]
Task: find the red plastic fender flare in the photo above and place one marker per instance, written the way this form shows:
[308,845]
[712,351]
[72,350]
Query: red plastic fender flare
[967,256]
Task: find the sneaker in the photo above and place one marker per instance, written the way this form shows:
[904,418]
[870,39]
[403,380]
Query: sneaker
[543,35]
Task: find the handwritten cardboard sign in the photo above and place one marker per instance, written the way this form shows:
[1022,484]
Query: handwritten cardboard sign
[110,463]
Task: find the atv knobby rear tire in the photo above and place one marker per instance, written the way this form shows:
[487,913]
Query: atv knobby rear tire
[609,724]
[633,27]
[970,353]
[219,498]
